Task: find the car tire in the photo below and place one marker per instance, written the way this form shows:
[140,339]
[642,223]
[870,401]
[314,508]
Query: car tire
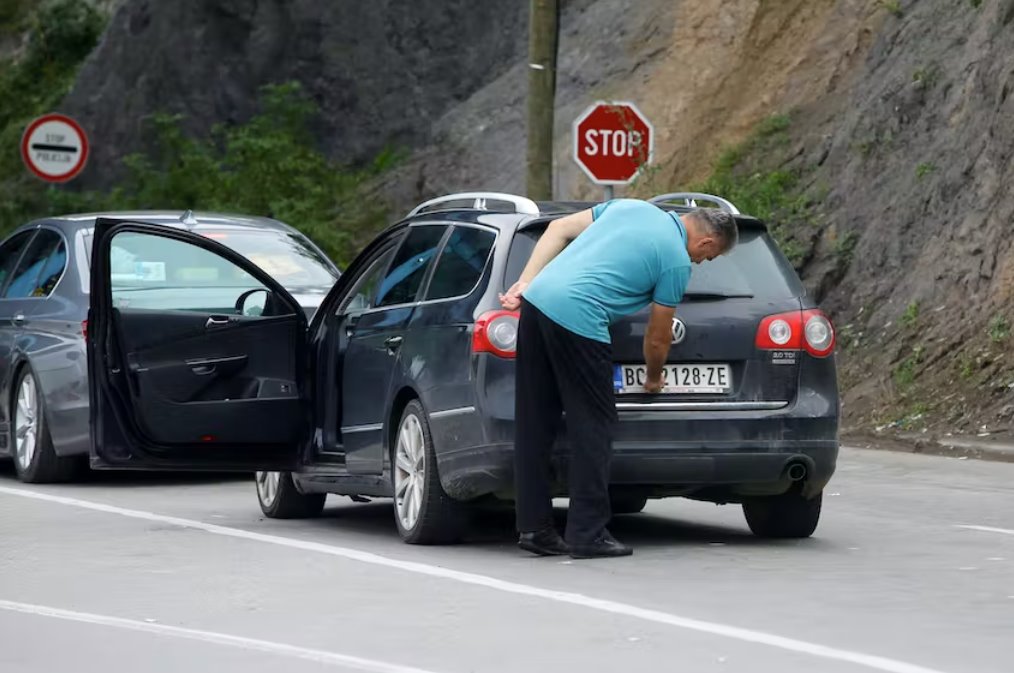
[628,504]
[789,515]
[280,499]
[423,512]
[35,459]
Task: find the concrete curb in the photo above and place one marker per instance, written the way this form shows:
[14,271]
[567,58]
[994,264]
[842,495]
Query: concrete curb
[954,447]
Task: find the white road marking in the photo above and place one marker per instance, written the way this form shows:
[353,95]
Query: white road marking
[614,607]
[987,529]
[319,656]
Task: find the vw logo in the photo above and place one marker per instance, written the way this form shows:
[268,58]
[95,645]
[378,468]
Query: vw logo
[679,331]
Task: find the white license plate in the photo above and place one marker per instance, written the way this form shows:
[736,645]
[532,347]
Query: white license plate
[678,379]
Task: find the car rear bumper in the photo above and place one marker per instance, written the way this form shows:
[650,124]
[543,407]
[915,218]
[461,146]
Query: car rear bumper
[716,472]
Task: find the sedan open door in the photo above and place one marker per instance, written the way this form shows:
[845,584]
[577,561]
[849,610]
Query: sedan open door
[196,357]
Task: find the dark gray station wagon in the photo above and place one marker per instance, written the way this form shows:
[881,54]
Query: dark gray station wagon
[402,383]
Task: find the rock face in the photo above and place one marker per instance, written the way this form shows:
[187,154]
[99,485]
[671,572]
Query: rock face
[381,71]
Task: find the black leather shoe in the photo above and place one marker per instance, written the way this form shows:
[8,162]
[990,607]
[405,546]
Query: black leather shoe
[604,546]
[545,542]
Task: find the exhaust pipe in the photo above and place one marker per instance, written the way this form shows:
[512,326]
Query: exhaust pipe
[796,472]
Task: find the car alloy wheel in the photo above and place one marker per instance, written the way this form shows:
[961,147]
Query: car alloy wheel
[409,471]
[26,431]
[267,487]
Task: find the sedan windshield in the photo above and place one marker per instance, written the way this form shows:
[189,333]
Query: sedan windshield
[286,257]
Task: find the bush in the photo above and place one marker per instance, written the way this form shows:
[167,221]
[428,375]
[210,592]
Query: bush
[268,166]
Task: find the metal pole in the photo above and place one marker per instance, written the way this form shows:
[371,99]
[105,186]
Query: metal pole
[609,192]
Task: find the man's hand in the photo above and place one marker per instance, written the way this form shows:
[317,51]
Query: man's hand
[654,386]
[657,339]
[511,300]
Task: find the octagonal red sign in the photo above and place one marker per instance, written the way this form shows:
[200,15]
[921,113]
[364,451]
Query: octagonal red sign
[612,142]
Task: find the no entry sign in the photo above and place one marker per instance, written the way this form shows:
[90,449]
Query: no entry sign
[55,148]
[612,141]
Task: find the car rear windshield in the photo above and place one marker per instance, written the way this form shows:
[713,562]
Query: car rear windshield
[284,256]
[754,268]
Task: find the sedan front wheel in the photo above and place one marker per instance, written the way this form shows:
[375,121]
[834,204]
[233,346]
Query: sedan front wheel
[280,499]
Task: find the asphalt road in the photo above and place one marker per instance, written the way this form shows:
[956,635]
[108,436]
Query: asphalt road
[912,570]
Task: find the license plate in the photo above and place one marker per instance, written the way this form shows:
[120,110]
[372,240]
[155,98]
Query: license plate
[678,379]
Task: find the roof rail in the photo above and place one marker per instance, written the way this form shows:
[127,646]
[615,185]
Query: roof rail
[522,205]
[690,199]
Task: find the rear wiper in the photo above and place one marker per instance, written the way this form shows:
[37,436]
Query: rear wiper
[717,295]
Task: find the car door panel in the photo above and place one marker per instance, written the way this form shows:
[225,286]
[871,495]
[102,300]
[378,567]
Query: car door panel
[185,370]
[189,388]
[369,363]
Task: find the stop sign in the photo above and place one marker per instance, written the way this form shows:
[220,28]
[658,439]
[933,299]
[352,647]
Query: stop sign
[612,141]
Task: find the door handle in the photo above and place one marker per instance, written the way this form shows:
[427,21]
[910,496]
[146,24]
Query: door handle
[393,344]
[18,319]
[215,321]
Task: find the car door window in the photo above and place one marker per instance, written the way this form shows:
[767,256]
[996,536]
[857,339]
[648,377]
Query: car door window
[155,272]
[10,252]
[405,275]
[25,279]
[461,262]
[363,293]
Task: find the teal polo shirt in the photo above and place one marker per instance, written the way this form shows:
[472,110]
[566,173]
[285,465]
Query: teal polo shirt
[632,254]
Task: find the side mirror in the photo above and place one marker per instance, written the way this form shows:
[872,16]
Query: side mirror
[254,302]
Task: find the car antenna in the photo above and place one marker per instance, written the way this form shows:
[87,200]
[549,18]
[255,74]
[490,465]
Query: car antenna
[188,218]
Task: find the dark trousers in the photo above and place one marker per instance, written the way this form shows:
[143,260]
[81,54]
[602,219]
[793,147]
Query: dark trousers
[557,371]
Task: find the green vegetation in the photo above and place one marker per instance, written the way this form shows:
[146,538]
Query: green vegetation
[267,166]
[911,315]
[999,329]
[927,76]
[907,369]
[61,34]
[892,6]
[924,169]
[845,248]
[768,194]
[967,367]
[975,3]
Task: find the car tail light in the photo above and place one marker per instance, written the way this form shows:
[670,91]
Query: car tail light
[797,330]
[496,332]
[84,329]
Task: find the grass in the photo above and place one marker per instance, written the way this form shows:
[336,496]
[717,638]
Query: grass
[768,194]
[966,367]
[908,369]
[975,3]
[927,75]
[845,247]
[911,315]
[892,6]
[924,169]
[999,329]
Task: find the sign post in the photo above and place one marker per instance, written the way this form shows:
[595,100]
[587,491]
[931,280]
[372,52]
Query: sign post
[54,148]
[613,141]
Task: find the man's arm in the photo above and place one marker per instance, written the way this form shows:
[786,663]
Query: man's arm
[657,340]
[558,236]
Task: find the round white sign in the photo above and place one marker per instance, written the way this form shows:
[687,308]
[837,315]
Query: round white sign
[54,148]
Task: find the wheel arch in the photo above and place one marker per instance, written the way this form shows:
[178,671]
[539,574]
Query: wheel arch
[401,399]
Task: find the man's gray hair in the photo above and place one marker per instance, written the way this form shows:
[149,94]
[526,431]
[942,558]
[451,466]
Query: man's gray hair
[719,224]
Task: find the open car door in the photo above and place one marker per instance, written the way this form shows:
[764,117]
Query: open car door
[196,357]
